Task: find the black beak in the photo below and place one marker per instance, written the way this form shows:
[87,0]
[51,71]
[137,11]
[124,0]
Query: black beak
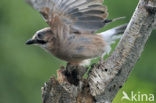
[30,41]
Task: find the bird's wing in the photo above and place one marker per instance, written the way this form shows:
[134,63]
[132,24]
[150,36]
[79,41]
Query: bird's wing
[84,16]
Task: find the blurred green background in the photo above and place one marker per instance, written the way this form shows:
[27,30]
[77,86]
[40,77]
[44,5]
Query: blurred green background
[24,69]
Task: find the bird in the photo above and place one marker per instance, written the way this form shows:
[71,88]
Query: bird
[72,33]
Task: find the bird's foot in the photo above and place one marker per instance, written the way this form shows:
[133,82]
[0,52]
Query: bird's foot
[71,74]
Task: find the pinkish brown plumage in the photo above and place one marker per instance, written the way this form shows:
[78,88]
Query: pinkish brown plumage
[73,23]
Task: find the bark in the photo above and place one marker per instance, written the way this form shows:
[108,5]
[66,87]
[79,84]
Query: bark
[104,80]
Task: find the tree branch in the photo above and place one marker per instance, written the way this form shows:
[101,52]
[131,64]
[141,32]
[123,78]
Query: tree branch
[108,79]
[104,80]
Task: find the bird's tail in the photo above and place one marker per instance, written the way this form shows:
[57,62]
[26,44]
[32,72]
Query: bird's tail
[111,35]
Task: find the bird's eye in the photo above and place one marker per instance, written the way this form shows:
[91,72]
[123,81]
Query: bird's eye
[39,35]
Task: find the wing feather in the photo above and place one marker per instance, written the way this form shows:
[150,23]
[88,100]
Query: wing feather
[82,15]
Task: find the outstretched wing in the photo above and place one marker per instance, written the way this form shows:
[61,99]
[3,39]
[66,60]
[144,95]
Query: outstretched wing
[81,15]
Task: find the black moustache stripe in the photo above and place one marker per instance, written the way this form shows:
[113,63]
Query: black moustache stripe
[41,42]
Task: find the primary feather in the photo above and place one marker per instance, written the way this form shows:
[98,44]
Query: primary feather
[84,16]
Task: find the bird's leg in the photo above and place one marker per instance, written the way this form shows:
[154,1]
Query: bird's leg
[71,74]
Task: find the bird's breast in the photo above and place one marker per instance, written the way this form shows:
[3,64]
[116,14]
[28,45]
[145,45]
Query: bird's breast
[79,47]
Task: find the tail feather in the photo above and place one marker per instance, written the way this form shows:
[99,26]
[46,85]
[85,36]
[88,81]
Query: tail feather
[113,34]
[113,20]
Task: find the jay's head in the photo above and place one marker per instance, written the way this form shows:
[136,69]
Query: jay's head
[42,37]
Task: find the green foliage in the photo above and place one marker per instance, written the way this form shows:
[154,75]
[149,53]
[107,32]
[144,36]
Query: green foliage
[24,69]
